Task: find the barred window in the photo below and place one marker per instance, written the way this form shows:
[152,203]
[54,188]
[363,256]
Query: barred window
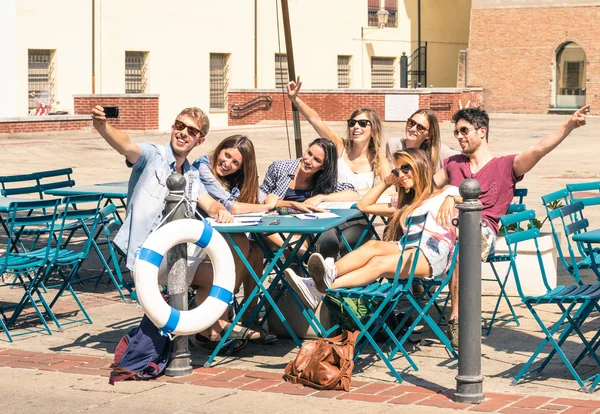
[219,80]
[135,72]
[344,71]
[40,77]
[390,5]
[382,72]
[281,70]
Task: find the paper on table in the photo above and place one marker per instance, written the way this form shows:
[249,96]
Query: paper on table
[342,205]
[255,214]
[337,204]
[237,221]
[313,216]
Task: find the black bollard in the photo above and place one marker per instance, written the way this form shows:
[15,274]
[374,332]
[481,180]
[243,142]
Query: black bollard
[469,381]
[179,362]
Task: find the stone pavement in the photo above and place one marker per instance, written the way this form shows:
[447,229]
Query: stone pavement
[67,371]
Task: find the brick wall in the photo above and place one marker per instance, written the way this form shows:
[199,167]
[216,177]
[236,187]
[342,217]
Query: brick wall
[44,124]
[512,54]
[136,112]
[333,105]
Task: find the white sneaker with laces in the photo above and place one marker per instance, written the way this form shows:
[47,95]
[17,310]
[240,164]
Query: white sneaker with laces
[305,288]
[322,271]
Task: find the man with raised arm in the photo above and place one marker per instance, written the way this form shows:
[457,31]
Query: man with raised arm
[497,177]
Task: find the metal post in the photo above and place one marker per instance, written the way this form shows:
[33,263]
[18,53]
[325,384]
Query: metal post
[285,14]
[469,379]
[404,71]
[179,362]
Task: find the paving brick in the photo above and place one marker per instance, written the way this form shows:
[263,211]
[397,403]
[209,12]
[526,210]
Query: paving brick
[399,389]
[60,366]
[490,405]
[187,379]
[365,397]
[292,389]
[579,410]
[210,370]
[373,388]
[85,371]
[498,396]
[520,410]
[329,394]
[532,402]
[577,403]
[443,401]
[409,398]
[230,375]
[20,364]
[259,385]
[265,375]
[18,353]
[100,363]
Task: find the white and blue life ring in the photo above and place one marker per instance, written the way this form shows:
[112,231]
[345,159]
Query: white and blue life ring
[145,275]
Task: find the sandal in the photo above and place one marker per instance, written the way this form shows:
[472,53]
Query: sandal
[240,332]
[265,337]
[202,341]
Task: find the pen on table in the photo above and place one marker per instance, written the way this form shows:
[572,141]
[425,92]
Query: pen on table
[311,216]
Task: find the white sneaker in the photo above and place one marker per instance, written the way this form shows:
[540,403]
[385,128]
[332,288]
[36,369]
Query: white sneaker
[322,271]
[304,287]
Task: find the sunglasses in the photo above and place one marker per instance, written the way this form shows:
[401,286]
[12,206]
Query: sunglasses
[180,126]
[420,128]
[464,131]
[405,168]
[361,123]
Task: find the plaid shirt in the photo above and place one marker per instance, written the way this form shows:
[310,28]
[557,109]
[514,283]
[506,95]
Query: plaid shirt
[279,176]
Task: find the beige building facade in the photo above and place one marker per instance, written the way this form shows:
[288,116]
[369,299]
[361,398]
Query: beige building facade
[191,52]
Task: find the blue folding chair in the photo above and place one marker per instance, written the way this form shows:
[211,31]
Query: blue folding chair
[381,298]
[29,266]
[516,207]
[572,220]
[575,303]
[35,183]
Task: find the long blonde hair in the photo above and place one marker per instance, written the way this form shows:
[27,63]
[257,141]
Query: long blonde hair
[376,137]
[423,188]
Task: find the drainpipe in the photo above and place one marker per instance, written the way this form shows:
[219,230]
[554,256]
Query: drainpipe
[256,44]
[93,46]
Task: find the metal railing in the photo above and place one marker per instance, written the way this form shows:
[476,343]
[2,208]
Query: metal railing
[241,110]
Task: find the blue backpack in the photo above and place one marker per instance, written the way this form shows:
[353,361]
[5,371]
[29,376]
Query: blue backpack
[142,354]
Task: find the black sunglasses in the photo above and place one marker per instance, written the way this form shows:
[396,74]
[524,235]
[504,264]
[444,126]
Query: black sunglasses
[405,168]
[361,123]
[180,126]
[420,128]
[464,131]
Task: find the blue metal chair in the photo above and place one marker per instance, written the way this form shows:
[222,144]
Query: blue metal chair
[35,183]
[29,266]
[382,297]
[571,219]
[517,207]
[575,303]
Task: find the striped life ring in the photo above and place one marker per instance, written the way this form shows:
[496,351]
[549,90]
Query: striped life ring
[145,275]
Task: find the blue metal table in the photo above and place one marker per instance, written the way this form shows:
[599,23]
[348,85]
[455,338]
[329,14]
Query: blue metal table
[274,260]
[589,238]
[110,192]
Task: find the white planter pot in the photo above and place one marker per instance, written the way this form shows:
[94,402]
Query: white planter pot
[527,266]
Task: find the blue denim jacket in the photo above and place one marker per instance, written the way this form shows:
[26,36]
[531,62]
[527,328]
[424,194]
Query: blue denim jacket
[213,186]
[146,195]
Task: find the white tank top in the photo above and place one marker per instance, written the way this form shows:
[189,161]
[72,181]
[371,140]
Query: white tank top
[360,181]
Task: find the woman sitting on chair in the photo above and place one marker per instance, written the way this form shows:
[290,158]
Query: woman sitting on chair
[230,176]
[416,195]
[302,184]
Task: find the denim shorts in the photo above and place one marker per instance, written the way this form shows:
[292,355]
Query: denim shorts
[436,252]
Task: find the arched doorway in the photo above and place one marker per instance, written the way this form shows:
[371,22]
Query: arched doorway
[570,76]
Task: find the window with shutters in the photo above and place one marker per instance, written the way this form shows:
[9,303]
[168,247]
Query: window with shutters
[135,72]
[281,70]
[40,77]
[382,72]
[219,80]
[343,71]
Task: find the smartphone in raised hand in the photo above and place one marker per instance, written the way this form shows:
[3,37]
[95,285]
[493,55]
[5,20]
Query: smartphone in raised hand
[111,111]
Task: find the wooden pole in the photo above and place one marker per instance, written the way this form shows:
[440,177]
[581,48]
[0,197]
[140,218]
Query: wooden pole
[292,73]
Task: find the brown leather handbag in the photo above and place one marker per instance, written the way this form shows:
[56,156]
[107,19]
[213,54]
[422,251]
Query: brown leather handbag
[324,364]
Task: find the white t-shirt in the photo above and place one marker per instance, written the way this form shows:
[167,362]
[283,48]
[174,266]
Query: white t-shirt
[360,181]
[432,228]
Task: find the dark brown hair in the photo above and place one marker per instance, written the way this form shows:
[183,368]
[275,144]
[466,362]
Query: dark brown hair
[246,178]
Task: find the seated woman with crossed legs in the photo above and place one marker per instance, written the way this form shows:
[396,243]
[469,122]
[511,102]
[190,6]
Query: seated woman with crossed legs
[416,195]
